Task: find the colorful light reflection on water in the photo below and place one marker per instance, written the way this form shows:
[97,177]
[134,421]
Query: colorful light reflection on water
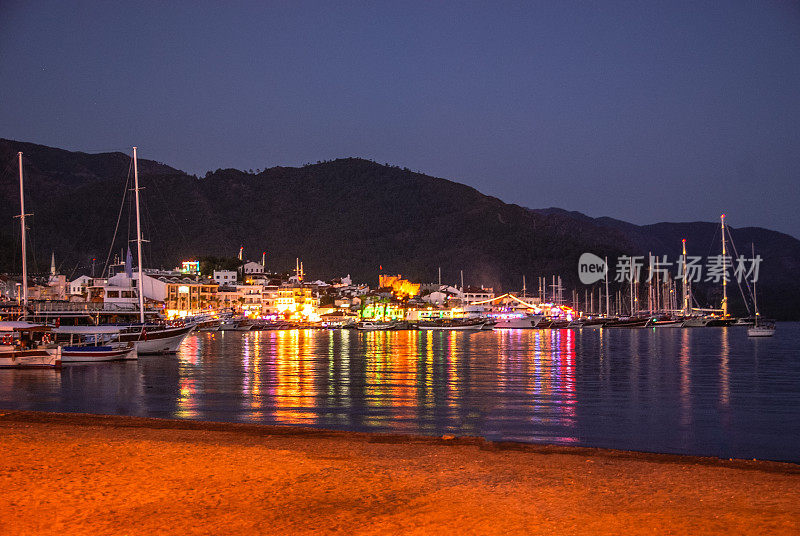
[703,391]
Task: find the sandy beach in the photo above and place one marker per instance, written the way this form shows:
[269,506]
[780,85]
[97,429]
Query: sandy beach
[89,474]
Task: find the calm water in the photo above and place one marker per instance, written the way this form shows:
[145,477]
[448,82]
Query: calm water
[709,391]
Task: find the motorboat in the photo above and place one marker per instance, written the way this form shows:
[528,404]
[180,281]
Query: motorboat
[93,344]
[374,325]
[28,345]
[452,324]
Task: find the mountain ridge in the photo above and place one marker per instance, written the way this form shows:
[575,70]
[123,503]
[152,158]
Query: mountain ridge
[348,215]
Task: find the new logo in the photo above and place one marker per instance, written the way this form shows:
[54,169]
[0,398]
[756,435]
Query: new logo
[591,268]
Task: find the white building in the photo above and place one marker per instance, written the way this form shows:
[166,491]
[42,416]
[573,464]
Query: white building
[252,268]
[78,286]
[471,295]
[225,277]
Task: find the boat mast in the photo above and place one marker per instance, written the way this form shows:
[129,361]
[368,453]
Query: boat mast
[22,226]
[685,282]
[724,276]
[632,311]
[607,295]
[138,237]
[755,302]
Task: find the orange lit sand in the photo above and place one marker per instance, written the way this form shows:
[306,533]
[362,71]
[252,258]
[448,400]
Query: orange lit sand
[82,474]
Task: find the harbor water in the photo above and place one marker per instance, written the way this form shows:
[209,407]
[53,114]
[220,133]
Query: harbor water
[704,391]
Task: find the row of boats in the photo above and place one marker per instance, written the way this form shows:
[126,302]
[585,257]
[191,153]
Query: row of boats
[534,321]
[26,344]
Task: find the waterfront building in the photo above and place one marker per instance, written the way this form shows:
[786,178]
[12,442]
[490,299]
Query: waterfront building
[250,299]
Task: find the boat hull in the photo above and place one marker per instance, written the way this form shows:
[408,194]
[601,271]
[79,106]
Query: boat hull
[760,332]
[473,327]
[164,341]
[525,322]
[78,354]
[39,358]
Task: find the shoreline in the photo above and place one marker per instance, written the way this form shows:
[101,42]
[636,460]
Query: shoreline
[84,473]
[287,431]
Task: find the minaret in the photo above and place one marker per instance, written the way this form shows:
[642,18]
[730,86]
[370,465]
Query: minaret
[53,263]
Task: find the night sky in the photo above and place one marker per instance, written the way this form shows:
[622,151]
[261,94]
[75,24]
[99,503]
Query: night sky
[643,111]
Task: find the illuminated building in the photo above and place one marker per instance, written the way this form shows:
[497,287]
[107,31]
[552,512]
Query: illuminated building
[250,299]
[186,297]
[402,288]
[296,303]
[190,267]
[381,309]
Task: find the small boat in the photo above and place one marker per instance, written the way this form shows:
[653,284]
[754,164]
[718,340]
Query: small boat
[517,321]
[667,322]
[633,322]
[374,325]
[27,345]
[696,322]
[94,344]
[594,323]
[452,324]
[761,328]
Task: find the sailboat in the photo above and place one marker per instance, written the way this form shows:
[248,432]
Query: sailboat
[150,338]
[24,344]
[761,328]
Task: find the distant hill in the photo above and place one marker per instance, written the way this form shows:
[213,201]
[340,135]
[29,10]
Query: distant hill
[345,216]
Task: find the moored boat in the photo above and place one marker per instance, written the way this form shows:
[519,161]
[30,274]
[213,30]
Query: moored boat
[762,329]
[633,322]
[152,339]
[374,325]
[517,321]
[94,344]
[452,324]
[27,345]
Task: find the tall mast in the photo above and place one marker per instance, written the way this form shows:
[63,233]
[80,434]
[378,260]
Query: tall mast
[685,282]
[22,226]
[725,276]
[138,236]
[755,302]
[608,310]
[524,288]
[632,272]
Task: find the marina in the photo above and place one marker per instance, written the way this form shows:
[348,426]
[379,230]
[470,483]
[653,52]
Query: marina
[703,392]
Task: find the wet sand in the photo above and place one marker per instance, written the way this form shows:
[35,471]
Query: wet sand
[85,474]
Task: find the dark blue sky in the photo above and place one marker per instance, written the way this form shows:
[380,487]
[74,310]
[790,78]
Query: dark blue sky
[661,111]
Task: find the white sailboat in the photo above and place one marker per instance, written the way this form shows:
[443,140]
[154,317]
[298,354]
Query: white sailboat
[23,344]
[760,327]
[150,339]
